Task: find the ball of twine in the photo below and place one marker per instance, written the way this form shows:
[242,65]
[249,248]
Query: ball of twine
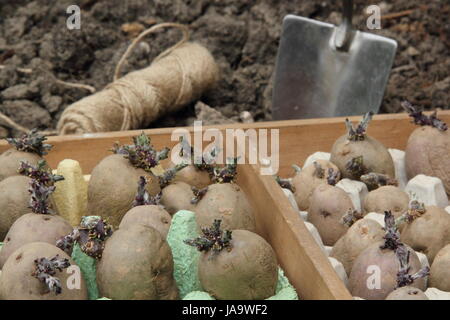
[175,78]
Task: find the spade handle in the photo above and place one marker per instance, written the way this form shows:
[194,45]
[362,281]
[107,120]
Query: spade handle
[344,32]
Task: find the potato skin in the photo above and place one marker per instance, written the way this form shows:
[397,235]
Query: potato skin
[428,152]
[249,271]
[177,196]
[150,216]
[361,235]
[10,161]
[389,265]
[193,176]
[14,201]
[305,182]
[327,207]
[113,187]
[136,264]
[428,233]
[18,283]
[33,227]
[387,198]
[226,202]
[407,293]
[440,270]
[376,157]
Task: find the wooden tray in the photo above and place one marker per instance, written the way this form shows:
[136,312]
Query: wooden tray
[305,265]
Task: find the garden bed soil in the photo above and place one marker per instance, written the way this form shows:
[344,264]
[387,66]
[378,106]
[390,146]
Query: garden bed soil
[242,35]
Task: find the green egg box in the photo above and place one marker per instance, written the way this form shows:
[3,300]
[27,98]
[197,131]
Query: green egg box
[185,259]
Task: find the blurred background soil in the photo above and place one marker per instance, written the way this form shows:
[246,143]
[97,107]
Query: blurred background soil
[242,35]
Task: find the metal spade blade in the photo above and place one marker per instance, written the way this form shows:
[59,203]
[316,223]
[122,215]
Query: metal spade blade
[328,71]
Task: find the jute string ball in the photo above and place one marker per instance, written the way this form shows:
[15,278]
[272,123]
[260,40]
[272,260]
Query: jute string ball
[175,78]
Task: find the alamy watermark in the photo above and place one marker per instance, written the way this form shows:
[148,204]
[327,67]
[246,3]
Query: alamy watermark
[250,146]
[373,21]
[73,22]
[374,17]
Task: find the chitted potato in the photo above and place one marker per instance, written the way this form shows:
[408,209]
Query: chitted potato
[193,177]
[14,201]
[18,283]
[376,264]
[328,205]
[235,265]
[136,264]
[177,196]
[29,148]
[407,293]
[10,162]
[427,233]
[387,198]
[226,202]
[148,215]
[440,270]
[428,148]
[309,178]
[198,172]
[428,152]
[362,234]
[112,188]
[33,227]
[366,153]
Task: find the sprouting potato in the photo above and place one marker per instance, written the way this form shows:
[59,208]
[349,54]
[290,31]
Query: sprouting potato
[426,230]
[386,265]
[14,201]
[136,264]
[37,271]
[357,153]
[440,270]
[387,198]
[428,148]
[42,224]
[362,234]
[253,275]
[306,181]
[112,186]
[328,206]
[29,148]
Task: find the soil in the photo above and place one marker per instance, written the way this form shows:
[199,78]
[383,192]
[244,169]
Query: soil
[242,35]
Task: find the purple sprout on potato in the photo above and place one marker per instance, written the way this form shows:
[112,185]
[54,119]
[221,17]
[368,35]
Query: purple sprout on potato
[41,172]
[32,142]
[40,194]
[90,235]
[213,238]
[147,211]
[141,154]
[375,180]
[46,270]
[404,278]
[198,194]
[199,173]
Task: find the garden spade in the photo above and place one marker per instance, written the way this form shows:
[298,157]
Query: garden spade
[328,71]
